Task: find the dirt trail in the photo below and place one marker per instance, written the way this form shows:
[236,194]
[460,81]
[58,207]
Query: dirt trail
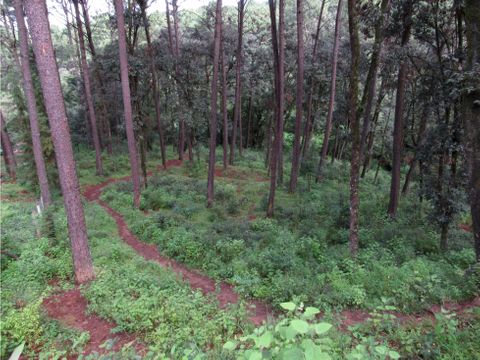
[258,311]
[70,308]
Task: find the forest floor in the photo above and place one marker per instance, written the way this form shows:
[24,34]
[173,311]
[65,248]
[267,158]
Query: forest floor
[70,307]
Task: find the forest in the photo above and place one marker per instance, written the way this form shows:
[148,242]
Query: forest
[258,179]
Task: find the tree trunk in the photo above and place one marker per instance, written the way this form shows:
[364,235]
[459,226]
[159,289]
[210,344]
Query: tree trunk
[307,130]
[281,86]
[224,99]
[104,120]
[88,92]
[277,109]
[399,121]
[156,96]
[237,110]
[370,85]
[54,104]
[471,115]
[7,149]
[127,105]
[32,106]
[333,83]
[299,100]
[371,133]
[213,105]
[249,121]
[354,125]
[421,133]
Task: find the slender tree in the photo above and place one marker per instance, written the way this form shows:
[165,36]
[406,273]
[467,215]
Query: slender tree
[54,104]
[278,43]
[213,104]
[237,111]
[127,105]
[7,149]
[307,129]
[224,98]
[354,125]
[399,109]
[156,96]
[299,99]
[471,114]
[88,91]
[32,105]
[371,81]
[333,84]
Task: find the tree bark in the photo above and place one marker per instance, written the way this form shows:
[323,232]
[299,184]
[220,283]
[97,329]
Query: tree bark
[237,110]
[104,119]
[213,105]
[471,115]
[272,156]
[224,98]
[127,105]
[32,106]
[399,121]
[354,125]
[156,96]
[54,104]
[370,85]
[299,99]
[88,92]
[308,128]
[333,84]
[7,149]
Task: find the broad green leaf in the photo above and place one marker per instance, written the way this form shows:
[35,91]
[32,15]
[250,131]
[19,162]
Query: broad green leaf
[290,306]
[265,340]
[381,349]
[322,328]
[393,355]
[230,345]
[310,312]
[287,332]
[253,355]
[293,353]
[300,326]
[17,352]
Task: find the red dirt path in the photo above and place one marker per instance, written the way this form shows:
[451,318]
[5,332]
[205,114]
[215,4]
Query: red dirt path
[69,308]
[259,311]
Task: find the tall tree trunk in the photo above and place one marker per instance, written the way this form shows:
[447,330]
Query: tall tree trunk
[176,48]
[299,99]
[371,82]
[371,133]
[104,119]
[213,105]
[399,121]
[276,110]
[237,110]
[88,92]
[7,149]
[281,87]
[32,106]
[156,96]
[471,115]
[127,105]
[224,98]
[308,128]
[249,121]
[54,104]
[354,125]
[333,84]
